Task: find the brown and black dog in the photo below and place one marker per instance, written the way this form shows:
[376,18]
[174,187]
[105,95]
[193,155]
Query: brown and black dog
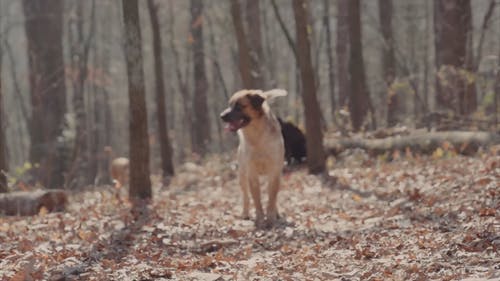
[261,150]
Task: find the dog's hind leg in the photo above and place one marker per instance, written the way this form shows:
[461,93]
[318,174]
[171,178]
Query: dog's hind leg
[272,189]
[246,201]
[255,191]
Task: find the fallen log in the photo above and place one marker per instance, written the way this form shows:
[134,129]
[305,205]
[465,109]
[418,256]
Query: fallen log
[463,142]
[29,203]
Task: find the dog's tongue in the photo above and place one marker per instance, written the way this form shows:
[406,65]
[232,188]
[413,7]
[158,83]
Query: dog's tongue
[227,127]
[232,126]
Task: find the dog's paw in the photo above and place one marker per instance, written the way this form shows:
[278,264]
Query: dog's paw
[245,215]
[260,223]
[272,217]
[270,223]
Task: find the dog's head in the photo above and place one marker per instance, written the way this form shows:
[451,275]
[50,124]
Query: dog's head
[244,106]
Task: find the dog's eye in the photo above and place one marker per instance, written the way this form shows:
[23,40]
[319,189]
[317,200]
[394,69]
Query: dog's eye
[239,107]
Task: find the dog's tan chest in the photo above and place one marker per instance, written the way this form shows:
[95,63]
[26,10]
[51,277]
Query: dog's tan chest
[261,159]
[262,163]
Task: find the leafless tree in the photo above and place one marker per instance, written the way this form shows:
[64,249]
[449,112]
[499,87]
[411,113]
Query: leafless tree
[388,59]
[359,102]
[140,183]
[342,52]
[255,42]
[201,130]
[243,48]
[80,48]
[454,59]
[3,149]
[315,152]
[165,144]
[329,55]
[48,91]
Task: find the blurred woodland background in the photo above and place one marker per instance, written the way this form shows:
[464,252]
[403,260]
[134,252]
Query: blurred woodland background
[77,75]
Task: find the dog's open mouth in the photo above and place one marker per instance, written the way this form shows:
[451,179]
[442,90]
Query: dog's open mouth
[235,125]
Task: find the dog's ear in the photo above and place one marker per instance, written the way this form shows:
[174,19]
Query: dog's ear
[256,100]
[274,93]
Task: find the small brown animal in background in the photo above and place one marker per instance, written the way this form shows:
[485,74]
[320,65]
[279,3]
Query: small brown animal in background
[261,150]
[119,171]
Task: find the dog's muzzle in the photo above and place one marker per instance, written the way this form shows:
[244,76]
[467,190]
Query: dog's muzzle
[226,115]
[234,119]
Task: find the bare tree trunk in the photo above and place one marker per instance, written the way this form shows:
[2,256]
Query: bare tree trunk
[329,55]
[359,98]
[484,27]
[342,50]
[48,91]
[18,150]
[388,59]
[79,172]
[201,130]
[314,135]
[99,118]
[218,83]
[79,70]
[182,85]
[468,102]
[97,171]
[255,43]
[23,108]
[99,130]
[426,59]
[140,183]
[165,144]
[496,91]
[218,77]
[412,66]
[23,112]
[3,146]
[453,23]
[270,50]
[244,60]
[496,99]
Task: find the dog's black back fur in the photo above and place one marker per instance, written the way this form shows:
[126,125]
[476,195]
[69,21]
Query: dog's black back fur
[295,142]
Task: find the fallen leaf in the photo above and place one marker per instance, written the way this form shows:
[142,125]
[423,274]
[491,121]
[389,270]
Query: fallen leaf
[21,276]
[160,273]
[487,212]
[88,236]
[484,181]
[356,198]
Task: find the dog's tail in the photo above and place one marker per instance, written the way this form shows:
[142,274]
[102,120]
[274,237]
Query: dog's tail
[274,93]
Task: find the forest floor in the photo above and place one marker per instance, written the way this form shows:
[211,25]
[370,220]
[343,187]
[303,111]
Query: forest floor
[414,218]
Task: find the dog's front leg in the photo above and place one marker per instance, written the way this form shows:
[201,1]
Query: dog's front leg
[259,212]
[273,189]
[244,189]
